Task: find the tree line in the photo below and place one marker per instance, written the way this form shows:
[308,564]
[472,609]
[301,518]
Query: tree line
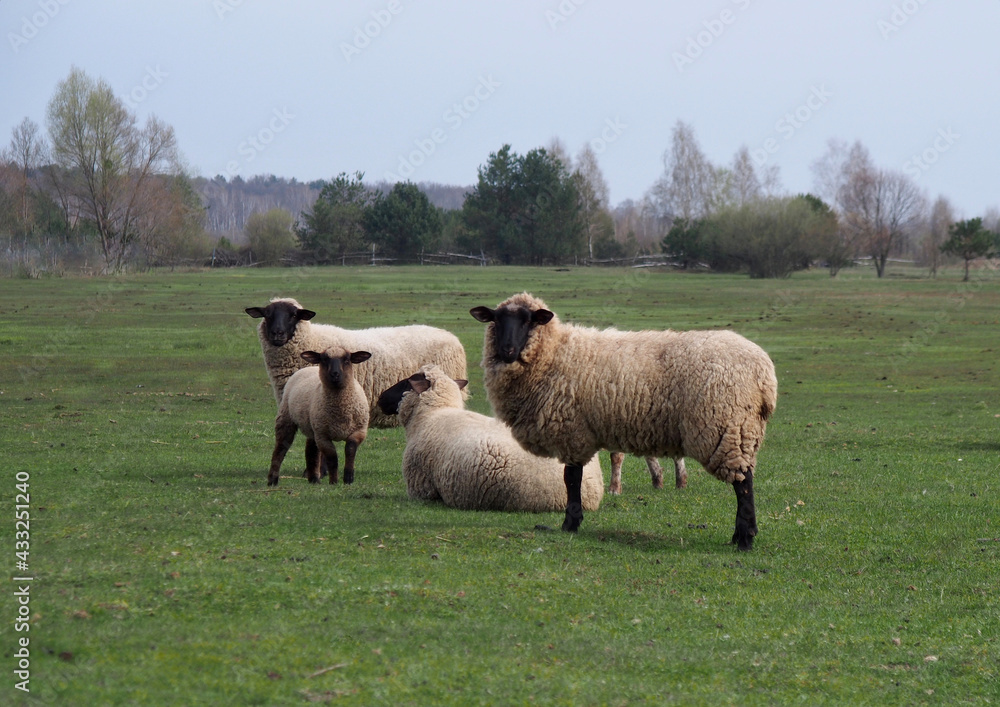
[106,194]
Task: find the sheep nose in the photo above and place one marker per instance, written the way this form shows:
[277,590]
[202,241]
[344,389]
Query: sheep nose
[508,354]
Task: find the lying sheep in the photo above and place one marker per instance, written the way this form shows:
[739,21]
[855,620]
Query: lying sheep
[470,461]
[655,472]
[567,391]
[286,332]
[325,402]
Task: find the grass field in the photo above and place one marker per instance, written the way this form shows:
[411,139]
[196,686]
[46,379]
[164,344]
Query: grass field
[165,572]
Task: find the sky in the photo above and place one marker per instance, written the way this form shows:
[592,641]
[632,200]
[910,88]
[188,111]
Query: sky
[425,91]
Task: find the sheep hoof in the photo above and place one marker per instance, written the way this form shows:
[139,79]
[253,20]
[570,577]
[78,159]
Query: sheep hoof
[574,516]
[272,482]
[743,542]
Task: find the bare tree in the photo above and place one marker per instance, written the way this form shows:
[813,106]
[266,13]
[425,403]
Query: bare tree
[593,192]
[991,219]
[881,208]
[26,152]
[637,221]
[557,148]
[110,166]
[936,233]
[744,185]
[878,208]
[831,174]
[688,186]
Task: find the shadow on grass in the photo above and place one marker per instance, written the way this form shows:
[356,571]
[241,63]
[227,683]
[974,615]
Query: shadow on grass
[676,541]
[977,446]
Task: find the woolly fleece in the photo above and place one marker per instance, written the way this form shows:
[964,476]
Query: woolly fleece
[396,353]
[470,461]
[575,390]
[321,413]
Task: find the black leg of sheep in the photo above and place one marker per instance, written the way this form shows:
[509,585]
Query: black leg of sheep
[746,515]
[573,476]
[322,470]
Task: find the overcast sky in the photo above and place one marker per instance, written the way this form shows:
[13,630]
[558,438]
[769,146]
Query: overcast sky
[427,90]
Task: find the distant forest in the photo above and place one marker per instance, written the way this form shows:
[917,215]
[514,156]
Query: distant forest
[95,192]
[229,203]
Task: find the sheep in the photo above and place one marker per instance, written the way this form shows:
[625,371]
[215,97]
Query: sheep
[567,391]
[470,461]
[655,472]
[325,402]
[286,332]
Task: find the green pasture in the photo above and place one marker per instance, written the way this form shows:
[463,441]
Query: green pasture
[165,572]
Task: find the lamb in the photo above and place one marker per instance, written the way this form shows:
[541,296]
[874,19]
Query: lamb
[655,472]
[567,391]
[470,461]
[286,332]
[328,405]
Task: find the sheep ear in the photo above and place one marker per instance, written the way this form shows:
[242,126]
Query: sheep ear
[419,386]
[255,312]
[360,356]
[461,383]
[483,314]
[541,316]
[312,356]
[306,314]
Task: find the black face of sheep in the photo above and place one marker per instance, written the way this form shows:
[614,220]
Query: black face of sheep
[332,369]
[511,327]
[280,320]
[389,400]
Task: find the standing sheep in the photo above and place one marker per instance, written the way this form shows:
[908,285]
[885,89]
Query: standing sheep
[327,404]
[567,391]
[470,461]
[655,472]
[286,332]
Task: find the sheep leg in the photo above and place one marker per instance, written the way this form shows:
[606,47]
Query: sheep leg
[680,474]
[284,435]
[616,473]
[655,472]
[746,515]
[350,450]
[312,461]
[328,450]
[322,469]
[573,476]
